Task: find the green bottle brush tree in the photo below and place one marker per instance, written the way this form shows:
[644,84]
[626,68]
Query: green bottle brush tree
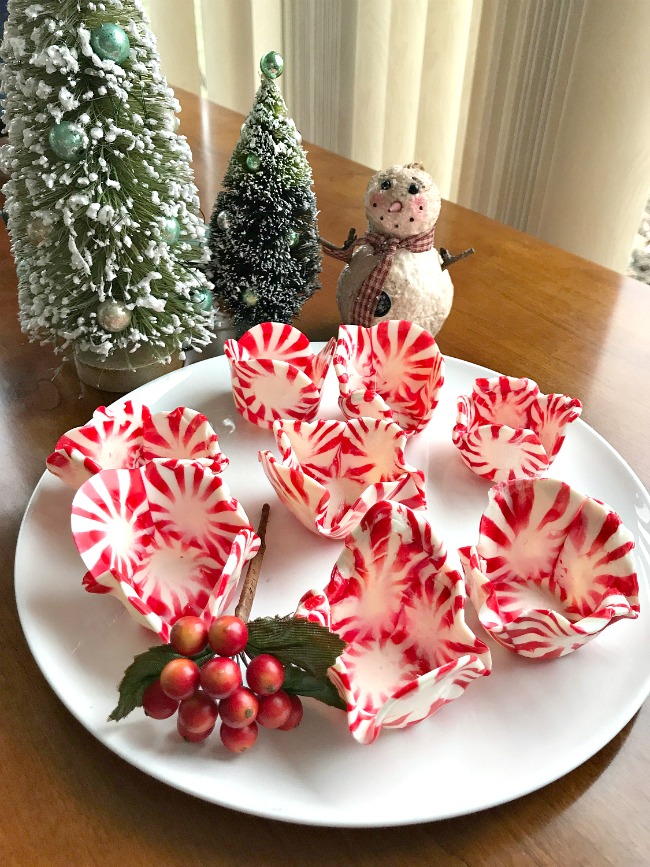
[102,209]
[265,255]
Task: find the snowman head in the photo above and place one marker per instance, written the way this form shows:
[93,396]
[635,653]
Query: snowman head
[402,201]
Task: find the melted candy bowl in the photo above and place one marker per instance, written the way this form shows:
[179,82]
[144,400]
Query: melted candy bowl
[129,436]
[393,370]
[551,570]
[166,539]
[508,429]
[275,374]
[401,607]
[331,472]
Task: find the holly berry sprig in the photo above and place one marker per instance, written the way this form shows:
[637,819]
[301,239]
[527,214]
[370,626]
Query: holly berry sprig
[197,677]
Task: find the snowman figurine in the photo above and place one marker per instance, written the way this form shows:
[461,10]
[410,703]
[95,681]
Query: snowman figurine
[394,271]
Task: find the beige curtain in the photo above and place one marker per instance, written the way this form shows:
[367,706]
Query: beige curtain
[533,112]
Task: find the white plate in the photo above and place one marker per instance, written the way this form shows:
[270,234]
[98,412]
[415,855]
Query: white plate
[509,734]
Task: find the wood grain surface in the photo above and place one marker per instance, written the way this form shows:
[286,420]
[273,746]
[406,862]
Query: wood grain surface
[521,307]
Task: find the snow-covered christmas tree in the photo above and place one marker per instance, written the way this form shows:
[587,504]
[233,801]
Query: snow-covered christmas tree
[102,209]
[265,255]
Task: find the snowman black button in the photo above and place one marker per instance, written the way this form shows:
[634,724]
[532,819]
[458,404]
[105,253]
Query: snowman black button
[383,305]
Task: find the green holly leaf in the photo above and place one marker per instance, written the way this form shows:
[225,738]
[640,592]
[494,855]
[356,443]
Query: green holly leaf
[298,682]
[144,669]
[294,641]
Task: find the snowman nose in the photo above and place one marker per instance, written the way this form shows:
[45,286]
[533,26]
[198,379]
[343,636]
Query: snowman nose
[396,206]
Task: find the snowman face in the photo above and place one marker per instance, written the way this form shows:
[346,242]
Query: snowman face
[402,201]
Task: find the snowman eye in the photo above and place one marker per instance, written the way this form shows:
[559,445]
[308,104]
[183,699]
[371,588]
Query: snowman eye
[414,188]
[387,184]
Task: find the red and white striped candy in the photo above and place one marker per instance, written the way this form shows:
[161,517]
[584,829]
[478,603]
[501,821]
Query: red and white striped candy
[393,370]
[275,374]
[551,570]
[167,539]
[508,429]
[129,436]
[395,600]
[331,472]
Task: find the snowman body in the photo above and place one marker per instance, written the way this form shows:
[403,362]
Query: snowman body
[401,202]
[416,287]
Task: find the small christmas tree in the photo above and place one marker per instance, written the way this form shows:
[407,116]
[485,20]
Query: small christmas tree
[102,208]
[264,239]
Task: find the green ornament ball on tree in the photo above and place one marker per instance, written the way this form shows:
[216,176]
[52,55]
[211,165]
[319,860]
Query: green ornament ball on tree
[110,42]
[253,162]
[272,64]
[204,300]
[293,238]
[171,230]
[68,140]
[250,298]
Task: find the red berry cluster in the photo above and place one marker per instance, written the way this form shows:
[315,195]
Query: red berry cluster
[202,694]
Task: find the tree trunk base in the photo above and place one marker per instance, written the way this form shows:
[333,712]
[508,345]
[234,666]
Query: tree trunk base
[123,371]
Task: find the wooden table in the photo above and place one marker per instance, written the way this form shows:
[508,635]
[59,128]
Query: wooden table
[522,307]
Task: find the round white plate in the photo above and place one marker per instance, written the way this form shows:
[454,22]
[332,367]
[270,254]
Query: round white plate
[511,733]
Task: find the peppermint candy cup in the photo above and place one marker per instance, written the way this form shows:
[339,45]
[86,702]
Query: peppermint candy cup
[166,539]
[130,436]
[331,472]
[551,570]
[393,370]
[395,599]
[508,429]
[275,374]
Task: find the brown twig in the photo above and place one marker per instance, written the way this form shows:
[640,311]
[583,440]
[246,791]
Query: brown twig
[245,603]
[448,259]
[352,237]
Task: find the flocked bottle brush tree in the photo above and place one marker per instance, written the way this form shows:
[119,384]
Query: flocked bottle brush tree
[102,209]
[265,254]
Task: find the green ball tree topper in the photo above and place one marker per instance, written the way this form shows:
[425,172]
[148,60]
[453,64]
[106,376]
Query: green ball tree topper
[102,208]
[265,255]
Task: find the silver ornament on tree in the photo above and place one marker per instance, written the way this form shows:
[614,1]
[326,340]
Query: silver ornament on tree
[113,316]
[38,231]
[224,221]
[250,297]
[110,42]
[68,140]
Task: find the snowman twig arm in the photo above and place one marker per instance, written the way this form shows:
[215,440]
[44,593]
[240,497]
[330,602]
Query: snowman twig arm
[349,241]
[448,259]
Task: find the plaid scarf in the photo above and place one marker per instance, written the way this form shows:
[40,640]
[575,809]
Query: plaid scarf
[365,303]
